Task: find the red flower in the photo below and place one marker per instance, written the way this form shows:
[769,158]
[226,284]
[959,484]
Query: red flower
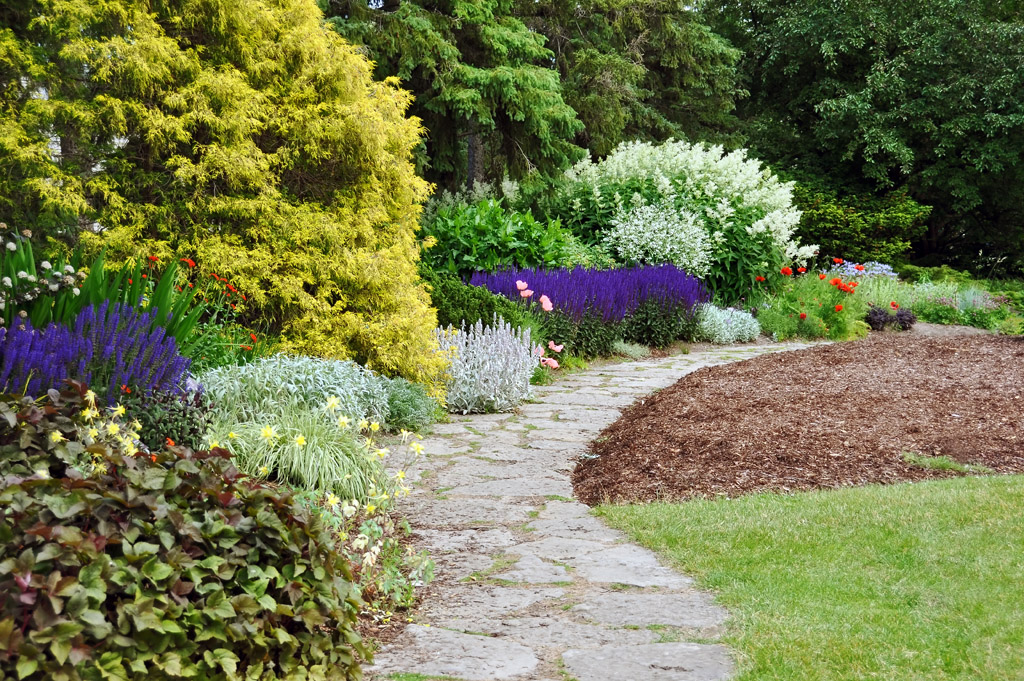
[859,268]
[188,261]
[153,258]
[839,308]
[179,289]
[821,276]
[214,275]
[144,276]
[801,270]
[170,442]
[129,281]
[254,338]
[246,347]
[838,261]
[803,315]
[190,285]
[835,281]
[152,457]
[894,305]
[232,288]
[786,271]
[759,278]
[243,297]
[232,306]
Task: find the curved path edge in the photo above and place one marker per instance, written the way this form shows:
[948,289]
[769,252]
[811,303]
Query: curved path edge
[529,585]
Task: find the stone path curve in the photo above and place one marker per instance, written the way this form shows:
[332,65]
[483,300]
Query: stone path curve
[531,587]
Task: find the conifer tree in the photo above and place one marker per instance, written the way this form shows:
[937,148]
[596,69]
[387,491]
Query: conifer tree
[244,134]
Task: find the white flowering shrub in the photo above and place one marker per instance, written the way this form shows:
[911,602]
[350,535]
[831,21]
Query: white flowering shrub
[658,234]
[724,326]
[746,213]
[491,366]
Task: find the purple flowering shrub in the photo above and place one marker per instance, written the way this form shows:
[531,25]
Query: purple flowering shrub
[108,346]
[594,308]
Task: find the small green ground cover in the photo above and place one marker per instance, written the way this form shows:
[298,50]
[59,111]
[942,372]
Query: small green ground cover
[911,581]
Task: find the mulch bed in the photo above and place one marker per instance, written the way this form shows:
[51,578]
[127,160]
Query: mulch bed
[829,416]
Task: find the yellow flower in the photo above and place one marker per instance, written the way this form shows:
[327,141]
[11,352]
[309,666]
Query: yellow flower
[118,410]
[332,403]
[343,422]
[383,452]
[332,500]
[214,444]
[94,433]
[375,426]
[370,508]
[88,414]
[99,467]
[113,428]
[363,424]
[90,398]
[300,440]
[56,437]
[417,448]
[264,470]
[231,435]
[268,433]
[136,426]
[405,435]
[400,475]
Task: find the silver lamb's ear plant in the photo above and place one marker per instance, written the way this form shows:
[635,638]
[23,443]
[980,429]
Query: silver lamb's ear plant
[491,366]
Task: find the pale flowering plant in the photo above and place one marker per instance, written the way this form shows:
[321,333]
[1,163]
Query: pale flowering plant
[36,290]
[656,234]
[723,326]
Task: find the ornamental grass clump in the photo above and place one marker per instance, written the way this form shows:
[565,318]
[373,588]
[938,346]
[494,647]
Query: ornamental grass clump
[490,368]
[724,326]
[115,347]
[162,566]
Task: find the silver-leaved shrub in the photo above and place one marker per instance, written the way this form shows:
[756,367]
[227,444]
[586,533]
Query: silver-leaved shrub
[490,366]
[724,326]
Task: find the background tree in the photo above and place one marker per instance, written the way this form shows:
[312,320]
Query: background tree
[244,134]
[926,95]
[482,80]
[639,69]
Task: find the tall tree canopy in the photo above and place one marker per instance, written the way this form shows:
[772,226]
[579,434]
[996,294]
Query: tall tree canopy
[242,133]
[639,69]
[482,80]
[922,94]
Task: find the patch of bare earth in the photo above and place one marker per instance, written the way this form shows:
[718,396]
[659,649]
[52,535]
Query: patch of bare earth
[825,417]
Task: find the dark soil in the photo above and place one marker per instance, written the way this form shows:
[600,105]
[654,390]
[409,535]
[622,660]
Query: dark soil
[829,416]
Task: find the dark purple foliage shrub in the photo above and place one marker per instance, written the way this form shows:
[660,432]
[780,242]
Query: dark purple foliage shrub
[878,318]
[612,295]
[109,346]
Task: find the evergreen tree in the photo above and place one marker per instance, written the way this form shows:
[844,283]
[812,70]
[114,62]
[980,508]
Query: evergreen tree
[482,80]
[244,134]
[639,69]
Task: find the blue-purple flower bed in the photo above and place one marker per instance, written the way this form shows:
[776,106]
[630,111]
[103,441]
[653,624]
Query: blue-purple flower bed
[594,308]
[109,346]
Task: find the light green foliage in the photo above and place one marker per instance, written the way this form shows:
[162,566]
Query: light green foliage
[458,302]
[486,237]
[244,135]
[745,211]
[923,95]
[630,350]
[481,81]
[642,69]
[267,386]
[842,585]
[859,227]
[831,310]
[724,326]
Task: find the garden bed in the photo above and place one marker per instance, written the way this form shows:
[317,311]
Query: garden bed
[825,417]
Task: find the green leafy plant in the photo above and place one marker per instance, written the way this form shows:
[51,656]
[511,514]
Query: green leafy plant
[167,566]
[486,237]
[813,306]
[458,302]
[181,416]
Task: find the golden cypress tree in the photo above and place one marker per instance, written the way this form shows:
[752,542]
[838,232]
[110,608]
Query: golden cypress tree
[241,133]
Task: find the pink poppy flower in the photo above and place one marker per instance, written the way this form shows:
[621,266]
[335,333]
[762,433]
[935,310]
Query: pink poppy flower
[526,294]
[521,285]
[552,363]
[545,304]
[553,347]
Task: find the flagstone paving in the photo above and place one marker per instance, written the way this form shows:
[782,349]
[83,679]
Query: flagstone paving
[531,587]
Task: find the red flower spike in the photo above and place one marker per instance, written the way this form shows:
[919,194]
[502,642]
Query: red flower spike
[232,288]
[188,261]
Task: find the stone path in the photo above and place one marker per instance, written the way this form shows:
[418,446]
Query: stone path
[531,587]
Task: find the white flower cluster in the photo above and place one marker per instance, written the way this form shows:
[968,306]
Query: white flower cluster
[661,234]
[722,190]
[491,366]
[724,326]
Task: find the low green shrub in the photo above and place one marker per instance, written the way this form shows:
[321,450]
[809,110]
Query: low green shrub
[944,273]
[183,416]
[814,306]
[656,324]
[164,567]
[631,350]
[409,406]
[458,302]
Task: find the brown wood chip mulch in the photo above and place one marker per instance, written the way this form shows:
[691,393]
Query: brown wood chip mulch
[825,417]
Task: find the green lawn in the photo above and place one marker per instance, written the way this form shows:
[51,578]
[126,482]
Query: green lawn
[912,581]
